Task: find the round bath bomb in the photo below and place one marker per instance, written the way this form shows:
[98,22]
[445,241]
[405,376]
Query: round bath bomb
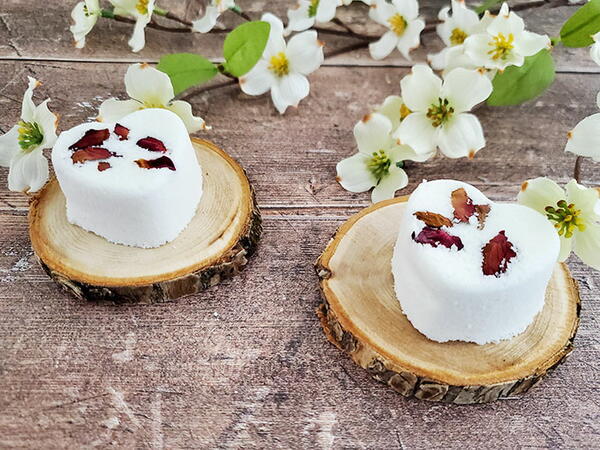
[136,182]
[468,269]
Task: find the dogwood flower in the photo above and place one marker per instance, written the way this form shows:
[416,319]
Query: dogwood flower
[401,17]
[454,29]
[214,9]
[574,214]
[22,147]
[307,13]
[439,116]
[595,48]
[584,139]
[141,11]
[283,67]
[84,15]
[149,88]
[504,42]
[394,109]
[378,162]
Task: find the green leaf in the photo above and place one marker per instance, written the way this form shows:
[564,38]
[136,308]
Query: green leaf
[244,46]
[578,30]
[487,4]
[518,84]
[186,70]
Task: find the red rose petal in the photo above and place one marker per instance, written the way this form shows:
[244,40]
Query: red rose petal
[158,163]
[463,205]
[102,166]
[91,138]
[122,132]
[152,144]
[436,236]
[497,254]
[90,154]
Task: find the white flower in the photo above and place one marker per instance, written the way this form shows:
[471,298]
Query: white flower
[149,88]
[85,15]
[573,213]
[308,12]
[504,42]
[283,68]
[214,9]
[454,29]
[394,109]
[584,139]
[141,11]
[439,115]
[401,17]
[21,148]
[378,162]
[595,48]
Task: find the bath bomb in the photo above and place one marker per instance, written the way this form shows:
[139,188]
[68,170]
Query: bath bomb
[469,269]
[136,182]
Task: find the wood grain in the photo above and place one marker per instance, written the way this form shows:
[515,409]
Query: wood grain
[248,365]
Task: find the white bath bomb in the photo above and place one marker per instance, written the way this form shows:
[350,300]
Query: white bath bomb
[135,183]
[474,271]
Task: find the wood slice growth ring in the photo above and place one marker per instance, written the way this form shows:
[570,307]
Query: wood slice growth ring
[214,246]
[361,315]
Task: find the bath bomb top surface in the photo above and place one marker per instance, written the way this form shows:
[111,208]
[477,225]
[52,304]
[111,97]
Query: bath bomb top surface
[136,182]
[466,268]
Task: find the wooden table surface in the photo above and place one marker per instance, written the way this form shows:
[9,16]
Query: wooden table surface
[246,365]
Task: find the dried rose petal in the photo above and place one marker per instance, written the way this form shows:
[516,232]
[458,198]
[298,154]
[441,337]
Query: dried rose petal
[122,132]
[158,163]
[91,138]
[152,144]
[463,205]
[433,219]
[435,236]
[497,254]
[90,154]
[482,211]
[102,166]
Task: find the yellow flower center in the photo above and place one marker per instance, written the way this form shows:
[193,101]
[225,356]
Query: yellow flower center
[30,135]
[312,8]
[142,6]
[567,218]
[501,46]
[458,36]
[397,24]
[279,64]
[379,164]
[404,111]
[440,113]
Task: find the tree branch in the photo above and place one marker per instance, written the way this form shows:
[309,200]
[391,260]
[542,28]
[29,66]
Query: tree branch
[577,170]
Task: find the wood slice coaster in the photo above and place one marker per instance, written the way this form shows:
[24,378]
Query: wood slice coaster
[215,245]
[361,315]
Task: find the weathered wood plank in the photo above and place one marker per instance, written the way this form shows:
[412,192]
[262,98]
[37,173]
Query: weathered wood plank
[291,159]
[27,34]
[245,365]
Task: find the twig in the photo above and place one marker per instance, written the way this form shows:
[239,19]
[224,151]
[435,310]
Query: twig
[241,13]
[348,49]
[172,16]
[363,37]
[577,170]
[209,88]
[157,26]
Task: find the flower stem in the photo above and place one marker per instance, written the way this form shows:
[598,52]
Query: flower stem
[577,170]
[160,12]
[236,9]
[209,88]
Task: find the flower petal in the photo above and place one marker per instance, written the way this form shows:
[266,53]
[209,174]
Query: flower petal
[138,38]
[566,246]
[298,18]
[421,88]
[47,122]
[326,10]
[208,21]
[462,136]
[9,146]
[184,111]
[464,18]
[289,90]
[112,109]
[584,139]
[259,80]
[380,11]
[84,16]
[409,9]
[585,199]
[305,52]
[28,171]
[392,109]
[386,188]
[384,46]
[417,132]
[148,85]
[466,88]
[587,245]
[354,175]
[595,51]
[530,43]
[27,106]
[372,133]
[411,37]
[539,193]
